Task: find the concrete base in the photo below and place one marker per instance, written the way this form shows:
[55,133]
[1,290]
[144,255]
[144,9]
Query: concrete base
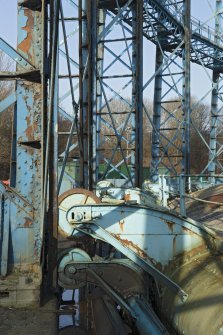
[29,321]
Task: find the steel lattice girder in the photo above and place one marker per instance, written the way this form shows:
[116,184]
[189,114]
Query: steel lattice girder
[203,44]
[99,105]
[204,51]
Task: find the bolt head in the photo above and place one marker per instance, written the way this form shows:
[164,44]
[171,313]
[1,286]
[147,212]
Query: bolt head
[78,216]
[72,270]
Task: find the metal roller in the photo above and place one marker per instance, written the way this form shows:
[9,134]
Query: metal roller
[202,313]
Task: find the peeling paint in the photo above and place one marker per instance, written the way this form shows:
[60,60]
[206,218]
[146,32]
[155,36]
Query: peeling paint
[170,225]
[27,43]
[28,222]
[121,225]
[135,248]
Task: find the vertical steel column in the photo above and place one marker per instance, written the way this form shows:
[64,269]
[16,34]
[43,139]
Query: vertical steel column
[137,92]
[44,80]
[25,227]
[154,173]
[100,66]
[53,190]
[83,82]
[89,87]
[14,148]
[186,89]
[92,93]
[26,168]
[214,100]
[50,203]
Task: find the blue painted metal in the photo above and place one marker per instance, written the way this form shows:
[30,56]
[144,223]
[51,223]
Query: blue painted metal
[137,93]
[28,128]
[5,229]
[202,36]
[154,174]
[95,68]
[127,149]
[186,109]
[172,19]
[83,40]
[20,231]
[182,195]
[152,225]
[215,109]
[159,238]
[74,104]
[7,102]
[145,264]
[99,97]
[50,183]
[147,321]
[19,56]
[168,142]
[21,224]
[152,12]
[152,237]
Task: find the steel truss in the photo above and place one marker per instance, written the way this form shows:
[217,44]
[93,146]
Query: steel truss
[179,39]
[92,75]
[99,92]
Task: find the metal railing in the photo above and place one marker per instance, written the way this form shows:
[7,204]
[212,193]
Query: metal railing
[197,26]
[175,186]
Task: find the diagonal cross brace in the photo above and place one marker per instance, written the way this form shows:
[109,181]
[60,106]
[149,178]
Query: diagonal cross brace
[15,55]
[7,102]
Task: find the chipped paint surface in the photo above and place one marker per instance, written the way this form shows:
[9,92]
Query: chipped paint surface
[131,245]
[28,222]
[27,42]
[180,248]
[161,236]
[24,196]
[121,224]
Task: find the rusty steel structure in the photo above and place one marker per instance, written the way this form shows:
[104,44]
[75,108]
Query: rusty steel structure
[100,245]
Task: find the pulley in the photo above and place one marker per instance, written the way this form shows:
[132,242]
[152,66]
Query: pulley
[71,198]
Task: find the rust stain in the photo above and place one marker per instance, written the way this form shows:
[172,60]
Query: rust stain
[195,252]
[28,222]
[170,225]
[174,245]
[35,162]
[32,128]
[26,44]
[184,257]
[215,198]
[121,225]
[36,250]
[134,247]
[127,197]
[189,231]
